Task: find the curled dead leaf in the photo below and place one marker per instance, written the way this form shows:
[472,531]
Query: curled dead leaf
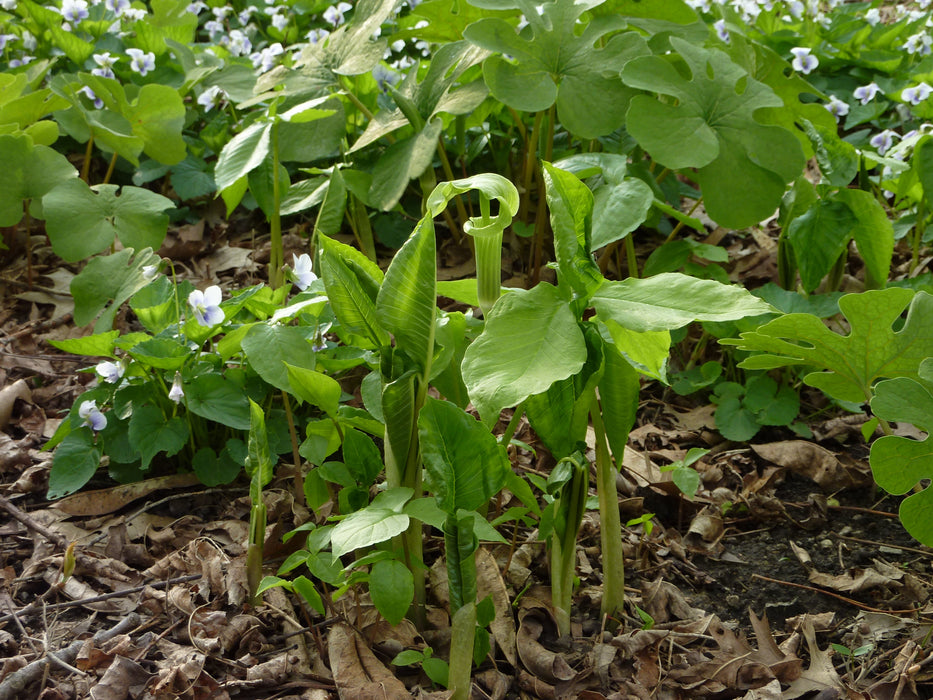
[359,675]
[8,395]
[534,614]
[489,583]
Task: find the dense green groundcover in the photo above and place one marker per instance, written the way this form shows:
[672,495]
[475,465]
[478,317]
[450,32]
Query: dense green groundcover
[568,127]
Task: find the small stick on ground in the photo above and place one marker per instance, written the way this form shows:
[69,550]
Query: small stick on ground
[31,523]
[35,605]
[860,606]
[15,685]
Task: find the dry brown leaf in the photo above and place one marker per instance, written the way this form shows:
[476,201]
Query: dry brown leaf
[706,531]
[641,467]
[857,581]
[8,396]
[358,674]
[785,667]
[274,671]
[103,501]
[534,614]
[820,675]
[696,419]
[123,678]
[664,602]
[821,622]
[537,687]
[58,293]
[811,460]
[772,691]
[489,583]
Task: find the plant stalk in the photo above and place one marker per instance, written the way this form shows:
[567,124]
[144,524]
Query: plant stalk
[564,546]
[610,531]
[462,635]
[458,200]
[276,254]
[86,165]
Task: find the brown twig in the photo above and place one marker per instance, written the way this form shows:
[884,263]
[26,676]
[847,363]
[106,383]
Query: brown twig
[31,523]
[868,511]
[32,607]
[860,606]
[14,685]
[886,544]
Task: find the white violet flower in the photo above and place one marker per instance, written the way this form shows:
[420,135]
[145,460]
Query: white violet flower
[117,7]
[110,372]
[176,393]
[92,416]
[74,10]
[837,107]
[141,61]
[303,274]
[206,305]
[720,26]
[334,14]
[919,44]
[883,141]
[265,60]
[211,97]
[866,93]
[280,21]
[316,35]
[803,61]
[98,103]
[917,94]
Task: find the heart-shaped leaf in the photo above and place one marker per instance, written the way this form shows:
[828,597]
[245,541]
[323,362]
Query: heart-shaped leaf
[82,220]
[551,61]
[899,463]
[742,164]
[29,172]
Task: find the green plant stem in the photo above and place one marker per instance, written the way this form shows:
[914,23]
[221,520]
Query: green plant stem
[564,547]
[462,635]
[257,532]
[458,200]
[531,167]
[610,531]
[510,429]
[110,168]
[364,110]
[630,257]
[86,165]
[293,435]
[26,226]
[358,218]
[680,224]
[541,213]
[786,264]
[836,273]
[916,239]
[276,254]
